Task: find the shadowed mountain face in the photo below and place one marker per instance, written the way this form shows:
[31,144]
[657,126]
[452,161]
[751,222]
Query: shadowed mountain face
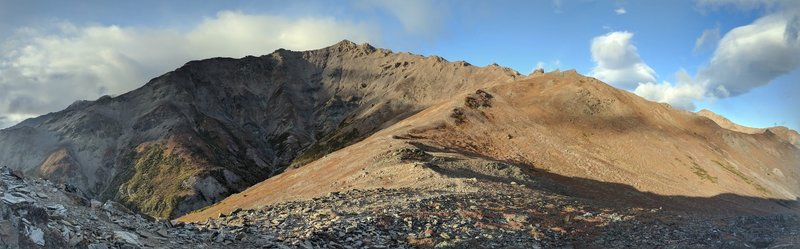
[214,127]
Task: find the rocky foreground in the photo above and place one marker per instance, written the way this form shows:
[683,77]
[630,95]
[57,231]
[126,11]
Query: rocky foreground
[39,214]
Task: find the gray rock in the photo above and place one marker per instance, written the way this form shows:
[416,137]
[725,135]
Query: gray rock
[12,198]
[761,242]
[98,246]
[95,203]
[9,235]
[36,235]
[57,209]
[127,237]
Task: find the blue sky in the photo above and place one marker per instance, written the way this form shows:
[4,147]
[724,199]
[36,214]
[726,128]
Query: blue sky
[738,58]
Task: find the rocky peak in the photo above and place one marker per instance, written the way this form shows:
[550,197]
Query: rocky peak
[345,44]
[349,46]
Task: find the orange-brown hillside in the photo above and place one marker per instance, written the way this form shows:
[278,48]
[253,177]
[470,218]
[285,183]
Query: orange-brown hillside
[557,131]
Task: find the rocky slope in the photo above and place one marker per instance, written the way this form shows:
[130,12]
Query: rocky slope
[41,214]
[573,134]
[214,127]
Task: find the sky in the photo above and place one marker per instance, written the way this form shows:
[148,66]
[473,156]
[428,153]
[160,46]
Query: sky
[738,58]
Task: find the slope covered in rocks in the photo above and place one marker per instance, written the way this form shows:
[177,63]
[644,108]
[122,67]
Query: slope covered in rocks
[213,127]
[561,133]
[43,214]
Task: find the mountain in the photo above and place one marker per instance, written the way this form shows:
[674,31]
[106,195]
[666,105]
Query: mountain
[353,116]
[564,134]
[788,135]
[727,124]
[213,127]
[355,146]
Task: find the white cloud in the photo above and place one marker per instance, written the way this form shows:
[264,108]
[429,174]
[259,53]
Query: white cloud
[235,34]
[680,95]
[620,11]
[618,61]
[753,55]
[43,71]
[746,57]
[709,38]
[10,120]
[419,17]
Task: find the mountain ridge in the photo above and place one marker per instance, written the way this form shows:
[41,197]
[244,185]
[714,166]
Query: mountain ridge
[563,126]
[221,124]
[789,135]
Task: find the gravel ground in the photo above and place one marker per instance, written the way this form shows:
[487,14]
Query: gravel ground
[39,214]
[508,216]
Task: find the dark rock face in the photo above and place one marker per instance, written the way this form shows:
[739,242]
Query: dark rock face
[219,125]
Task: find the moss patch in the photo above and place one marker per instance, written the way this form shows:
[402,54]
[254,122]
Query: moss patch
[703,174]
[155,185]
[739,174]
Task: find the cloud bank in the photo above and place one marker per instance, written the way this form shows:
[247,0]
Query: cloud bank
[753,55]
[681,95]
[745,58]
[43,70]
